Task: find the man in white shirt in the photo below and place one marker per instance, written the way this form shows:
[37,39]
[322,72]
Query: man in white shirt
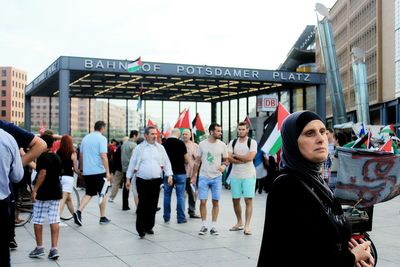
[148,162]
[213,154]
[241,153]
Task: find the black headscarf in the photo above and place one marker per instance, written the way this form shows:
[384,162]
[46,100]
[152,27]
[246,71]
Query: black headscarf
[291,158]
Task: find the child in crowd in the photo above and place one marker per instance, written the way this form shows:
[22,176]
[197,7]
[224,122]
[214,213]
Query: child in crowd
[46,196]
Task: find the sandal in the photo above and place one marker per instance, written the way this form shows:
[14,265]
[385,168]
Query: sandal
[236,228]
[247,232]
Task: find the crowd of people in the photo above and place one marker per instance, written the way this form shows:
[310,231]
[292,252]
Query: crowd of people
[144,166]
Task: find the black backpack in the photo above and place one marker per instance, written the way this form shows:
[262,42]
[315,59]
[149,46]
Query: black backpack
[233,149]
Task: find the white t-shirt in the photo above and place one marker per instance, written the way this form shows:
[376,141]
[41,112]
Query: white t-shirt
[245,170]
[211,157]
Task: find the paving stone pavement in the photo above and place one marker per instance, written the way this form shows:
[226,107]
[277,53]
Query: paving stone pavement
[118,244]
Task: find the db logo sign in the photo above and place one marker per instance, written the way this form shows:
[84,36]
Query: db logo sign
[267,102]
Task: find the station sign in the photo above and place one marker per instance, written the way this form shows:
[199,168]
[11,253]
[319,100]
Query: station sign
[267,103]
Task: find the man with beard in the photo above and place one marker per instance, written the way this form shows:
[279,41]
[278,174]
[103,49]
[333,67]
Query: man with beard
[213,155]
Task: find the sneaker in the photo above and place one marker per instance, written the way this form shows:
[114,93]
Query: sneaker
[110,200]
[214,231]
[53,254]
[12,244]
[37,253]
[104,220]
[78,218]
[203,230]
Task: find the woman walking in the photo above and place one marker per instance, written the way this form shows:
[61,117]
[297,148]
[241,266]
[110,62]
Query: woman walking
[69,160]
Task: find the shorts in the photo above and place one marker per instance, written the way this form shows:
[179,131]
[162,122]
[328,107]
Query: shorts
[94,183]
[67,183]
[215,184]
[46,208]
[243,187]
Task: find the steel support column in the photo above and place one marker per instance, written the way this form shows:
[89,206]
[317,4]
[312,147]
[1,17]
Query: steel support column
[64,120]
[321,101]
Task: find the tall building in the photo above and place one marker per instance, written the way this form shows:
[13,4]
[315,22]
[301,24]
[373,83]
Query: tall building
[369,25]
[12,98]
[44,113]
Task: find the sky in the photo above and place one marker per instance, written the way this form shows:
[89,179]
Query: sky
[248,34]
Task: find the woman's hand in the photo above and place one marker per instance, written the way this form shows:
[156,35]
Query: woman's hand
[362,253]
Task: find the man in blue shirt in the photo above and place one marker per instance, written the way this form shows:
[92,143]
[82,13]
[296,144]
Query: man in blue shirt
[11,170]
[94,163]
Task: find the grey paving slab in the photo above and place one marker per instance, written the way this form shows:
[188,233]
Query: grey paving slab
[118,244]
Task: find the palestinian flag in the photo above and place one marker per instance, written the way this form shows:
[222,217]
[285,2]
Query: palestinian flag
[388,146]
[248,121]
[134,65]
[198,128]
[151,123]
[271,141]
[363,141]
[389,129]
[167,130]
[183,120]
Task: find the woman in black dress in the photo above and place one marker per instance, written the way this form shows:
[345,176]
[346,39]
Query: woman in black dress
[304,223]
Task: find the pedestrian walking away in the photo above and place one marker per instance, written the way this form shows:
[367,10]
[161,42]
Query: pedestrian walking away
[95,169]
[118,176]
[69,162]
[126,154]
[178,156]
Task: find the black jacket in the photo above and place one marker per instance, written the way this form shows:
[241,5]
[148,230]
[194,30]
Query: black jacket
[303,227]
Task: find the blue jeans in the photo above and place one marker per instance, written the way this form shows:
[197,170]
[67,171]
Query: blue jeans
[180,185]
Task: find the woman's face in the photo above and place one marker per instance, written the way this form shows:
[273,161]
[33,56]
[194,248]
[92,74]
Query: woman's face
[313,142]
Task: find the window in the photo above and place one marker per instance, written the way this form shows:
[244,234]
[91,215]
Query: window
[3,113]
[4,73]
[3,83]
[3,103]
[3,93]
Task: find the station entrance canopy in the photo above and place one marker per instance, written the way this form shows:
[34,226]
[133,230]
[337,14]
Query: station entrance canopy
[108,78]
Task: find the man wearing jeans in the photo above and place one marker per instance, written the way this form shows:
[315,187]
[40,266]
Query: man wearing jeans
[177,154]
[212,155]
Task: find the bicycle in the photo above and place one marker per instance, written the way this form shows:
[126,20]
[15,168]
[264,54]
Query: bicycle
[23,206]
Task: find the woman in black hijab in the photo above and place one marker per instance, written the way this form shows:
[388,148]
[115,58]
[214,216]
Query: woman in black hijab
[304,223]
